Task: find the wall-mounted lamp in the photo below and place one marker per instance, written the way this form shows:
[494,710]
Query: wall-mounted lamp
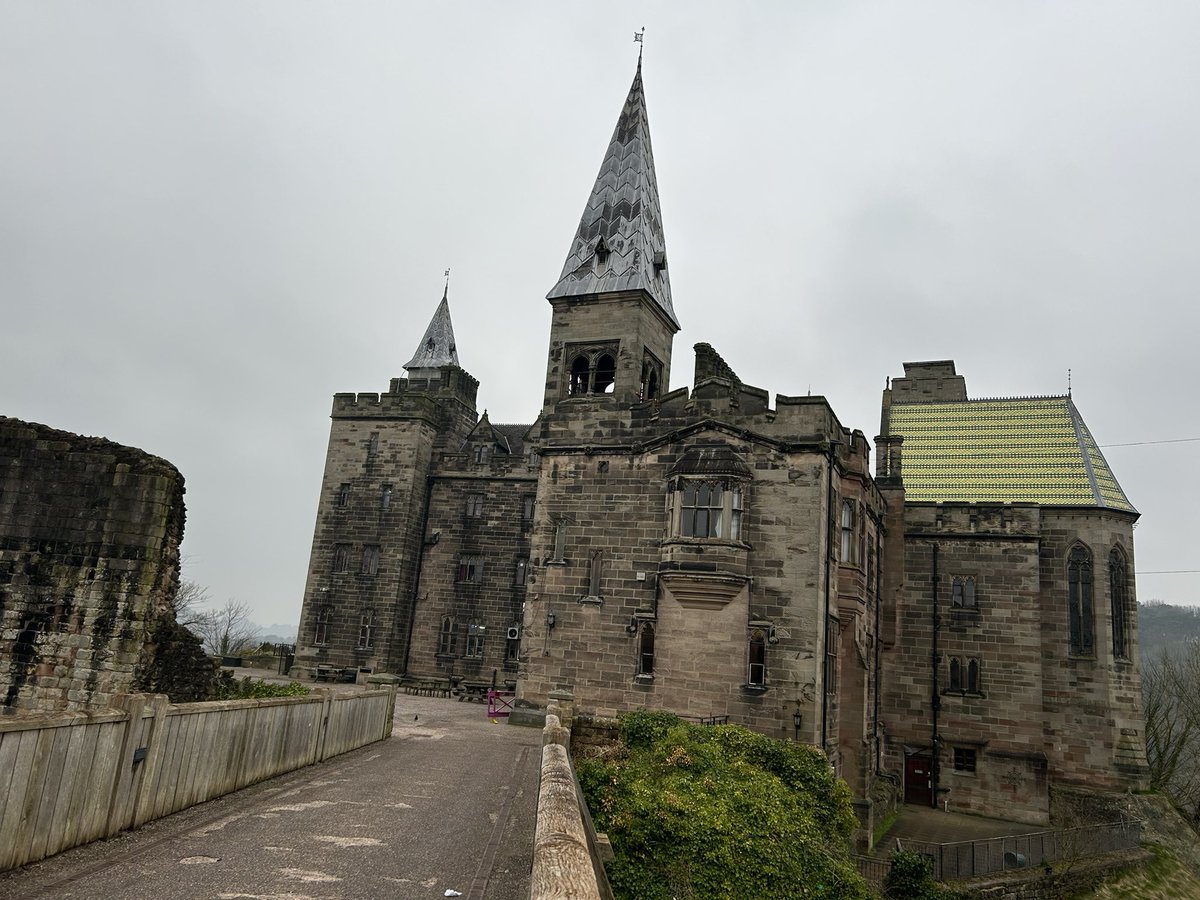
[632,627]
[797,720]
[772,637]
[550,619]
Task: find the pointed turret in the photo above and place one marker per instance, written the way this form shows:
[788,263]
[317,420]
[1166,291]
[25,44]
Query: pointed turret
[437,346]
[619,245]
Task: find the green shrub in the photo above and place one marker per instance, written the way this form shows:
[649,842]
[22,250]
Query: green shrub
[911,878]
[720,812]
[225,687]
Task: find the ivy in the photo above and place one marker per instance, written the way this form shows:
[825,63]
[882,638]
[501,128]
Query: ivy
[720,812]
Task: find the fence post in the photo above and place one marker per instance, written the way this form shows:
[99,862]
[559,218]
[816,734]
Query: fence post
[154,740]
[128,776]
[326,695]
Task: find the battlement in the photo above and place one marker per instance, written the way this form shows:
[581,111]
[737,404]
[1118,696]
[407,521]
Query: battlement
[418,395]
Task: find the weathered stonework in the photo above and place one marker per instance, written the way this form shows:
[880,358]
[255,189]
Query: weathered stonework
[89,558]
[595,552]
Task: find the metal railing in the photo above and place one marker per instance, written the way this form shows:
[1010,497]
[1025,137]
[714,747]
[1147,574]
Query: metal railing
[988,856]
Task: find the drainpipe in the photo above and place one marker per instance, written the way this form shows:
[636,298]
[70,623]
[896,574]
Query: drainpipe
[878,597]
[935,701]
[829,519]
[412,616]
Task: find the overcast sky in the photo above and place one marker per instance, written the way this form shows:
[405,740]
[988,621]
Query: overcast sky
[214,216]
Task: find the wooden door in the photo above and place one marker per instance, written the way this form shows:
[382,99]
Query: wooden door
[918,780]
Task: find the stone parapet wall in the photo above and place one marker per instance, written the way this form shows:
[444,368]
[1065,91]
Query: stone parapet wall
[89,560]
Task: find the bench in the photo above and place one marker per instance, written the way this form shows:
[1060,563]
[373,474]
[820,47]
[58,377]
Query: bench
[474,691]
[336,673]
[427,687]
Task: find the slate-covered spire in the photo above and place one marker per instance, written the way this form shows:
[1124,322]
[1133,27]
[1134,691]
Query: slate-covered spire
[437,346]
[619,245]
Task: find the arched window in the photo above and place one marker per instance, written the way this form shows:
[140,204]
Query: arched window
[645,659]
[1118,587]
[606,375]
[580,370]
[447,637]
[649,381]
[1079,601]
[956,674]
[756,675]
[972,683]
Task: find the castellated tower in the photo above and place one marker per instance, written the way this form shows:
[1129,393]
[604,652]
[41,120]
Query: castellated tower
[358,598]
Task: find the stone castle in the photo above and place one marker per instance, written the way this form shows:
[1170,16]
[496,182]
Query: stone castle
[956,625]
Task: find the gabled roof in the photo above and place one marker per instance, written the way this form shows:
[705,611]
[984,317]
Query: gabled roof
[508,438]
[437,346]
[1018,450]
[622,220]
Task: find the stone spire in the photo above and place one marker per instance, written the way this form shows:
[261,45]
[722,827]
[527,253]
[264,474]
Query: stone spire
[437,346]
[619,245]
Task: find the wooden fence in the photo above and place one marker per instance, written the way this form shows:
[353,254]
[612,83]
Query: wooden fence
[70,778]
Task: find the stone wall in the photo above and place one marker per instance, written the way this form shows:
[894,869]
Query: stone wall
[89,559]
[478,509]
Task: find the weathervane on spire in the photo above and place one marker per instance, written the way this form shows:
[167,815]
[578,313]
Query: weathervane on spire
[446,291]
[639,38]
[1068,382]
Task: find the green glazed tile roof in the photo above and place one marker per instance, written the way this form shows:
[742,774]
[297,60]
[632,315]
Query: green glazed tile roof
[1021,450]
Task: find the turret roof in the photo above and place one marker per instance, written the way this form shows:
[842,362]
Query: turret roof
[437,346]
[622,221]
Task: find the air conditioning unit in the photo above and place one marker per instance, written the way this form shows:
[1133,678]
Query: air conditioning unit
[514,632]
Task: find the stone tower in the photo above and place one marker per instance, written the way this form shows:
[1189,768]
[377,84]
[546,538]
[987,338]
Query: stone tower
[371,515]
[613,319]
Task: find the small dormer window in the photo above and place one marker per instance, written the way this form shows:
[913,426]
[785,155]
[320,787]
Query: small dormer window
[660,261]
[481,453]
[601,256]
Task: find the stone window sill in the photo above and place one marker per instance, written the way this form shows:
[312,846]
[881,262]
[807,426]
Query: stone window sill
[591,600]
[754,688]
[643,679]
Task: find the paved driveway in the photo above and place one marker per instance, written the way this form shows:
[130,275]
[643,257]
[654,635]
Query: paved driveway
[447,803]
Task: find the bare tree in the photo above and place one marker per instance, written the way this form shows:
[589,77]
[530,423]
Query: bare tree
[1171,697]
[187,603]
[228,630]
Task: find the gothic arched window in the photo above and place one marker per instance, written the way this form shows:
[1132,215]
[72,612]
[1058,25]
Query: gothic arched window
[956,674]
[580,372]
[1079,601]
[606,375]
[1118,587]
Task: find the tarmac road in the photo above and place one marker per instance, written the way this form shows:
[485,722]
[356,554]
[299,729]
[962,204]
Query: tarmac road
[448,802]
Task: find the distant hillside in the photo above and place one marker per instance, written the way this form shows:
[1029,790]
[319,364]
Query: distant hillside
[1162,625]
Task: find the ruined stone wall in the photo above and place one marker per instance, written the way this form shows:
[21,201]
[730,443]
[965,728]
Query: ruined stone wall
[89,558]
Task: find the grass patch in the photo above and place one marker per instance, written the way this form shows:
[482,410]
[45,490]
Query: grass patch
[1166,878]
[883,827]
